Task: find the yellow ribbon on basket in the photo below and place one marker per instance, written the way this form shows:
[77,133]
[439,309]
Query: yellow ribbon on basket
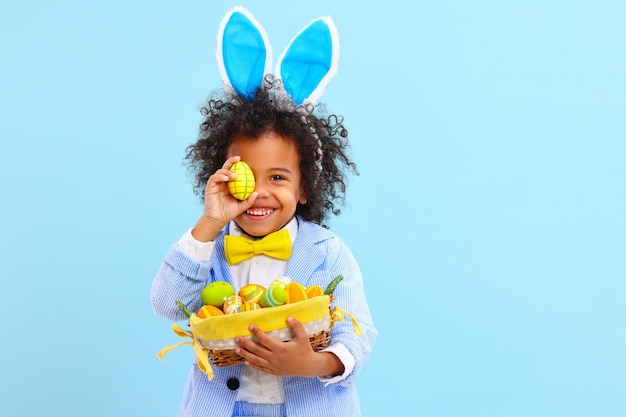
[202,357]
[337,315]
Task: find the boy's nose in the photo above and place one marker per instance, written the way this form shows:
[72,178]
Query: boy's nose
[263,192]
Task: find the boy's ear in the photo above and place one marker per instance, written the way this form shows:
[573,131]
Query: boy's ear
[302,200]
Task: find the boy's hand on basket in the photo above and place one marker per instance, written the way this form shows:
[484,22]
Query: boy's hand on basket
[293,358]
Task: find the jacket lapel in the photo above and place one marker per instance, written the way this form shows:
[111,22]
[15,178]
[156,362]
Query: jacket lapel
[306,256]
[221,269]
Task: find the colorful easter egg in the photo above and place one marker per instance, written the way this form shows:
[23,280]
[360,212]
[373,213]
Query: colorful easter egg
[209,311]
[273,296]
[280,282]
[248,307]
[242,186]
[314,291]
[216,293]
[251,293]
[295,292]
[232,304]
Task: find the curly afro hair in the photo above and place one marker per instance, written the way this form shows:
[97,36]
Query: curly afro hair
[322,174]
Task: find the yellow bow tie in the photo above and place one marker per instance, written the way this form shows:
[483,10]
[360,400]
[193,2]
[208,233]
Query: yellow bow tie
[238,248]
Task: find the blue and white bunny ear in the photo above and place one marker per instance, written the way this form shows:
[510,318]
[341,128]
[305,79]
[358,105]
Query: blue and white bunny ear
[244,53]
[310,61]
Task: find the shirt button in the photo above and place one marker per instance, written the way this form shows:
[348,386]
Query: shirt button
[232,383]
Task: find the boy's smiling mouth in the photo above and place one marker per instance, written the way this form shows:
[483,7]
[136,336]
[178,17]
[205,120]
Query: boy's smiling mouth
[259,211]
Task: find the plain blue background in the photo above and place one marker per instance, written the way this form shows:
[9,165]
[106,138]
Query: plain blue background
[489,216]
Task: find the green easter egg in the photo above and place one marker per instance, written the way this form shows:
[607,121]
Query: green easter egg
[216,293]
[273,296]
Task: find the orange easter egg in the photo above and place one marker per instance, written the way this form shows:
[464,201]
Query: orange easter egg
[314,291]
[209,311]
[242,186]
[295,292]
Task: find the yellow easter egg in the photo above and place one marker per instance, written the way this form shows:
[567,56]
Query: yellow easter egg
[314,291]
[295,292]
[242,186]
[251,293]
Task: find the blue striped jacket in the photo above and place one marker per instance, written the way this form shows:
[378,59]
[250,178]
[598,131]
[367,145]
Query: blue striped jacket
[318,256]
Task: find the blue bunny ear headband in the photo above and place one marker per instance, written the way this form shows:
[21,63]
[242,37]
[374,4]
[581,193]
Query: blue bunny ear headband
[244,57]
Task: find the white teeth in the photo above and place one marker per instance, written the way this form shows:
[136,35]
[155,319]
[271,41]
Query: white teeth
[259,211]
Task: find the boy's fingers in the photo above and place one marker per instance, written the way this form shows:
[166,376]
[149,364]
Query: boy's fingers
[297,327]
[230,161]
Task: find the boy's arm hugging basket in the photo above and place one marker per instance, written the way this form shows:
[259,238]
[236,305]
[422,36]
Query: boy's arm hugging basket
[213,338]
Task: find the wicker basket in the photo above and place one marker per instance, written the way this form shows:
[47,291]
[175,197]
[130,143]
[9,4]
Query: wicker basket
[213,338]
[216,335]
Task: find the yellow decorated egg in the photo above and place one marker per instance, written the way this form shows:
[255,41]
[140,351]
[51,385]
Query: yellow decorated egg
[242,186]
[232,304]
[251,293]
